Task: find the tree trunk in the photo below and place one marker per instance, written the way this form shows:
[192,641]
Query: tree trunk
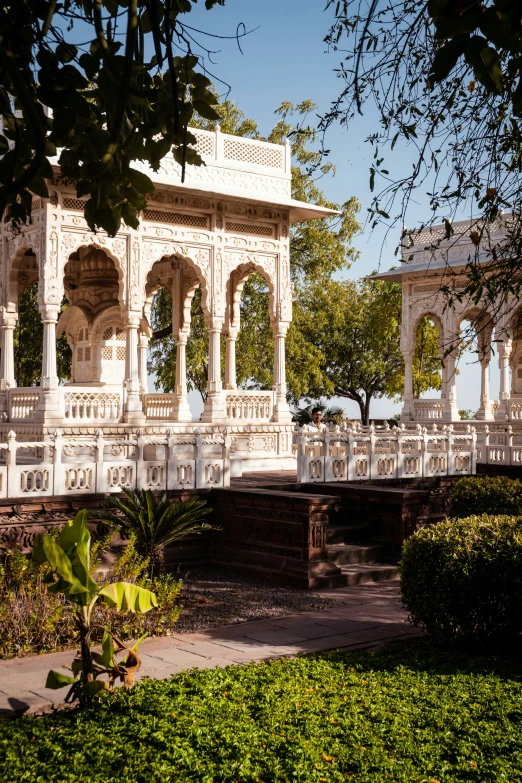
[367,409]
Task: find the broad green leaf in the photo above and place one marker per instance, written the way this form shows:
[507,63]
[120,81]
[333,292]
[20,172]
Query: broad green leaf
[485,62]
[57,680]
[127,597]
[205,110]
[38,186]
[62,566]
[140,181]
[446,58]
[107,656]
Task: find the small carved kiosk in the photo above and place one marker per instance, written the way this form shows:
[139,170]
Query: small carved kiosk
[229,219]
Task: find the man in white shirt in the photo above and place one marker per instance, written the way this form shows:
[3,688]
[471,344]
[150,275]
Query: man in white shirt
[316,425]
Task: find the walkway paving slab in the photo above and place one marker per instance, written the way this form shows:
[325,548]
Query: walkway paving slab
[364,616]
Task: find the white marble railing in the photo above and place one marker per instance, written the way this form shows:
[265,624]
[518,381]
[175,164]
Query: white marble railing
[23,403]
[428,409]
[74,466]
[358,454]
[88,404]
[159,406]
[247,405]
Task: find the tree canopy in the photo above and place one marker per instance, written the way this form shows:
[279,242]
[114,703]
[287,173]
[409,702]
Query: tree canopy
[107,83]
[445,78]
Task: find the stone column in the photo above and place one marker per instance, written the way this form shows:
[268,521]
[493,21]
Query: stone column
[215,408]
[230,359]
[181,406]
[50,407]
[408,412]
[143,345]
[504,352]
[451,411]
[281,408]
[484,411]
[133,412]
[7,327]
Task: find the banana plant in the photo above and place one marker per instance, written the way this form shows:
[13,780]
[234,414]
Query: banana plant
[68,558]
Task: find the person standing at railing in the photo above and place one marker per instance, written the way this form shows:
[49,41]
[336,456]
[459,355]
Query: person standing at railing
[317,424]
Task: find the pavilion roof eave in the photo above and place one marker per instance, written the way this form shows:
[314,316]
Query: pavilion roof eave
[299,211]
[423,267]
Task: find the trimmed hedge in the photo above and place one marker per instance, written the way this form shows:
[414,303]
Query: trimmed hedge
[461,580]
[486,495]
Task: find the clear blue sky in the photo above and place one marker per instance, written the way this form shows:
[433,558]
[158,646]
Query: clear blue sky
[286,59]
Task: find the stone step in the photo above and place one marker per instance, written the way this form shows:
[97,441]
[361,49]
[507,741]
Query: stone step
[349,554]
[368,572]
[347,534]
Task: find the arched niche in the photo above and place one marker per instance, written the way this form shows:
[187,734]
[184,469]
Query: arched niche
[23,272]
[428,358]
[98,345]
[192,272]
[235,284]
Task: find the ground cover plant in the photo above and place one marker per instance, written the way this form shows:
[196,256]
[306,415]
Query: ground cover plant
[403,714]
[461,580]
[486,495]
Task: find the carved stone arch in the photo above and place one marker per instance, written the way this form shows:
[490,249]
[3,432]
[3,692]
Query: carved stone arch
[182,281]
[238,275]
[22,271]
[193,258]
[115,249]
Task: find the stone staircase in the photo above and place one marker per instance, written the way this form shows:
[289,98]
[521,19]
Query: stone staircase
[360,559]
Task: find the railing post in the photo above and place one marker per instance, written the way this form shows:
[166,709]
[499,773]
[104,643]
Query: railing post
[58,486]
[450,467]
[400,456]
[100,446]
[198,455]
[225,452]
[10,461]
[486,444]
[423,433]
[141,471]
[473,451]
[301,454]
[372,457]
[350,457]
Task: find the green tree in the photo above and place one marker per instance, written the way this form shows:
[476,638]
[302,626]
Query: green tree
[356,327]
[121,90]
[318,250]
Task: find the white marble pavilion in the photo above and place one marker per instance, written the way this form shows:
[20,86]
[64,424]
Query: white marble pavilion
[229,219]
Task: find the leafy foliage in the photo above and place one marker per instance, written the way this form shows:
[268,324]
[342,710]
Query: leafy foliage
[33,620]
[426,366]
[69,574]
[112,104]
[445,79]
[461,580]
[398,714]
[474,495]
[356,327]
[155,521]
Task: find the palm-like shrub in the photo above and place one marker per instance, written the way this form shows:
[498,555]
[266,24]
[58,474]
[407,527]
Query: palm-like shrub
[155,521]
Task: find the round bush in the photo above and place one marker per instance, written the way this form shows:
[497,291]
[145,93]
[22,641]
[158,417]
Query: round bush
[486,495]
[461,580]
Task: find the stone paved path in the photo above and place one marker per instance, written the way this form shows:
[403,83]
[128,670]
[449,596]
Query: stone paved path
[365,616]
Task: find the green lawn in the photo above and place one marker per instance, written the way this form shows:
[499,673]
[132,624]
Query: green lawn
[403,715]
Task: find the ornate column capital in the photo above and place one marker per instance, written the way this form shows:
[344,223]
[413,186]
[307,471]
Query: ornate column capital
[132,320]
[49,314]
